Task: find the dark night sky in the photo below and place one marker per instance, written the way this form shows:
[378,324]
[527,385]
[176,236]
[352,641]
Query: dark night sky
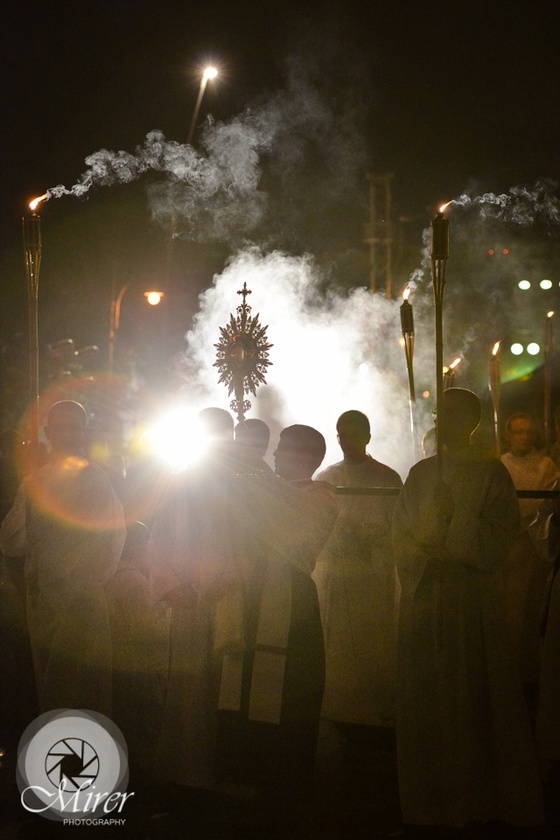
[454,92]
[451,97]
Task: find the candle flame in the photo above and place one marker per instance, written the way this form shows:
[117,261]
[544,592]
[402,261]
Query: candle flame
[445,206]
[36,201]
[454,364]
[550,314]
[406,293]
[496,347]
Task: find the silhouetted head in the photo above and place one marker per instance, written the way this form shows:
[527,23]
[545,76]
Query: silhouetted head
[299,453]
[66,426]
[354,434]
[253,436]
[460,416]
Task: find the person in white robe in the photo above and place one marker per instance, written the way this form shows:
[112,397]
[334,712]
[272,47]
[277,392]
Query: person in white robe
[464,743]
[545,531]
[524,575]
[233,549]
[67,525]
[358,588]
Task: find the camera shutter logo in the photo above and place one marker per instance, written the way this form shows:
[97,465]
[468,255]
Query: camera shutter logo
[72,763]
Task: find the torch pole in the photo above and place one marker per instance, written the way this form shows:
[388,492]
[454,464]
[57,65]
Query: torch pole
[547,375]
[407,326]
[494,384]
[439,256]
[32,255]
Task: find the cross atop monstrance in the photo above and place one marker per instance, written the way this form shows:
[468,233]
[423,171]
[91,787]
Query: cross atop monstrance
[242,356]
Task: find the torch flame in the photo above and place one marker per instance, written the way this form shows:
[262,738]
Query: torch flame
[496,347]
[406,293]
[36,201]
[454,364]
[445,206]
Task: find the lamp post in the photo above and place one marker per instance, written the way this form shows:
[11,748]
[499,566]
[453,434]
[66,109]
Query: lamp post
[152,297]
[209,73]
[439,253]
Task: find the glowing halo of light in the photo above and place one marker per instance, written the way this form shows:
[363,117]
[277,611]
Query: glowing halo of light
[153,297]
[546,284]
[50,496]
[210,73]
[524,285]
[516,348]
[533,349]
[176,438]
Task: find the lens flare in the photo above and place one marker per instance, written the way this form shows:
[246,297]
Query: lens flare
[177,439]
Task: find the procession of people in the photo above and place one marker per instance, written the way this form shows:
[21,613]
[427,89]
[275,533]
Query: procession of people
[253,603]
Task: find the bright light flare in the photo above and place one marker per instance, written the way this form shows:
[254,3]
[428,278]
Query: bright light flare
[154,298]
[36,201]
[209,73]
[496,347]
[177,438]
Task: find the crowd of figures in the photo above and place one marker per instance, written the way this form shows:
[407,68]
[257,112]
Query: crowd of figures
[217,615]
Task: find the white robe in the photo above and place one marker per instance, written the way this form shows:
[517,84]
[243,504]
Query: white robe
[358,594]
[233,541]
[68,524]
[464,743]
[546,535]
[524,575]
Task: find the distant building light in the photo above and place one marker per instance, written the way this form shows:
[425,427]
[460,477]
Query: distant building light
[524,284]
[505,251]
[546,284]
[516,349]
[533,348]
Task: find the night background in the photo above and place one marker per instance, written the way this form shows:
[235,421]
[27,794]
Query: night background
[455,100]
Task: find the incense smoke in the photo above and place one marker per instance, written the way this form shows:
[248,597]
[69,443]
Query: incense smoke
[521,205]
[304,142]
[331,353]
[288,173]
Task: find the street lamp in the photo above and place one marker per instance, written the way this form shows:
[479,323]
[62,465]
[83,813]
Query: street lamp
[209,73]
[152,297]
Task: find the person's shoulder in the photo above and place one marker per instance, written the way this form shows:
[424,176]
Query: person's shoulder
[384,472]
[329,473]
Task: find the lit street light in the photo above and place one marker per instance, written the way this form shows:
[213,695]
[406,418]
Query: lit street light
[209,73]
[152,297]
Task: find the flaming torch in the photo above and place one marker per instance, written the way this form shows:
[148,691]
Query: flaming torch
[439,252]
[494,383]
[449,374]
[31,223]
[407,326]
[547,371]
